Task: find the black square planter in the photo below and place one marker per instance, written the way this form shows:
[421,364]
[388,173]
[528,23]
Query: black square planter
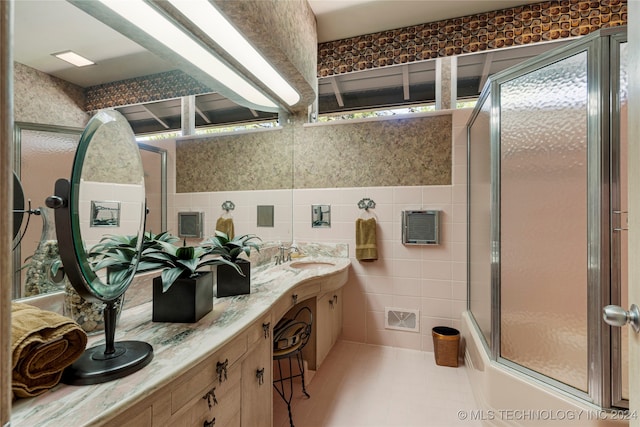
[229,282]
[186,301]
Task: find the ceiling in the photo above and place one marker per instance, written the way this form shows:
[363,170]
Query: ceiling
[44,27]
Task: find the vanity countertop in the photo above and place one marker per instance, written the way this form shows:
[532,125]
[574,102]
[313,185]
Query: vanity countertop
[176,346]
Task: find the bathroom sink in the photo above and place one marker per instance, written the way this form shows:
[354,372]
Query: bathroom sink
[311,264]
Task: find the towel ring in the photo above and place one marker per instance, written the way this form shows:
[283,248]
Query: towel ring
[366,204]
[228,206]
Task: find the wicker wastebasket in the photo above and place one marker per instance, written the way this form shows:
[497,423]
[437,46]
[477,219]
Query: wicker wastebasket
[445,345]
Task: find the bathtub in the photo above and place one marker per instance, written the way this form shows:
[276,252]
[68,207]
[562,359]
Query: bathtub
[505,397]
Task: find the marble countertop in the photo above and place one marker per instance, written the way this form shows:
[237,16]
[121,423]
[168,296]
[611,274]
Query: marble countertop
[176,346]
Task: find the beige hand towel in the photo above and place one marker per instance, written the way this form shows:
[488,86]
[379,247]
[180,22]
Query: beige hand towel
[366,246]
[226,226]
[43,344]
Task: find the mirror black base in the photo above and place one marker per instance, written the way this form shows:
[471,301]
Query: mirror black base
[95,366]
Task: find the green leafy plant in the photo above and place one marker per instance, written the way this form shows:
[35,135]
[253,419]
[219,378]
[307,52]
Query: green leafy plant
[231,249]
[117,253]
[178,261]
[187,261]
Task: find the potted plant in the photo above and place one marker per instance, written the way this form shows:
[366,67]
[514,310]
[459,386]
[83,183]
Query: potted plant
[183,293]
[233,275]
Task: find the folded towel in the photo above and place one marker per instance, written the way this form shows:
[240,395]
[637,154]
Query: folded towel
[226,226]
[366,247]
[43,343]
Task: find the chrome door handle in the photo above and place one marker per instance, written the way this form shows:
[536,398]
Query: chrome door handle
[615,315]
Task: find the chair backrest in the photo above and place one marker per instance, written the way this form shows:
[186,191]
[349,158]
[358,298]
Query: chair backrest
[293,333]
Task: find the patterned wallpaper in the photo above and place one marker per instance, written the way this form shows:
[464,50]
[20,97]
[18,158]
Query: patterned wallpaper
[242,161]
[44,99]
[539,22]
[394,152]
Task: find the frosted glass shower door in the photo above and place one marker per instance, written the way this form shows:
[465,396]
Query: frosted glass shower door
[479,219]
[46,154]
[543,220]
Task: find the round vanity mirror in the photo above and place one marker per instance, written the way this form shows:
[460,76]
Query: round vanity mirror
[105,197]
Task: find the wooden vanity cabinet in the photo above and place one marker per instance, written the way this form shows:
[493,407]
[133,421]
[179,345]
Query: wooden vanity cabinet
[217,390]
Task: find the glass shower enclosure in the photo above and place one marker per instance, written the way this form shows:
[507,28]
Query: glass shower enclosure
[547,217]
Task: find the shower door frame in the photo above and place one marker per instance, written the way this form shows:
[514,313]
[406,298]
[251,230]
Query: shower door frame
[599,46]
[616,40]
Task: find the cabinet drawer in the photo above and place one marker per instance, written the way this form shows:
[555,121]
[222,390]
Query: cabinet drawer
[225,412]
[294,297]
[260,330]
[207,374]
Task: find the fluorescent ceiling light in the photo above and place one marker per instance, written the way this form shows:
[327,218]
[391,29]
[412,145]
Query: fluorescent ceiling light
[73,58]
[209,19]
[149,20]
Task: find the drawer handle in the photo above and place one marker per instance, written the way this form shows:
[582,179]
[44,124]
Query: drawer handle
[335,299]
[221,370]
[260,376]
[331,303]
[209,423]
[210,397]
[294,297]
[266,328]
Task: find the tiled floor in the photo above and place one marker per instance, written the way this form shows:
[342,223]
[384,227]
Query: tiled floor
[365,385]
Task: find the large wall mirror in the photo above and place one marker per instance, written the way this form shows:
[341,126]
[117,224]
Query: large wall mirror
[54,146]
[44,153]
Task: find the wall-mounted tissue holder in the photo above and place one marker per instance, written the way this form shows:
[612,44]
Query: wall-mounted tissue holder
[420,227]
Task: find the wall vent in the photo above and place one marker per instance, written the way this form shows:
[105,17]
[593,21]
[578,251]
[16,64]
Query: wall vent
[402,319]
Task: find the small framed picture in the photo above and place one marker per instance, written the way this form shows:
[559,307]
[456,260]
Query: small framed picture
[105,214]
[320,216]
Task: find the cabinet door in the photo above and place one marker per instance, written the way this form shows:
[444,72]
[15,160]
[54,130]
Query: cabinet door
[324,327]
[257,389]
[336,318]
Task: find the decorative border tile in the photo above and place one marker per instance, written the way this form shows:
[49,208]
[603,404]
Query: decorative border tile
[155,87]
[539,22]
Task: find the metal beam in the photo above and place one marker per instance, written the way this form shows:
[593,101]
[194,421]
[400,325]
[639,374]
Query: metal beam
[405,82]
[202,114]
[336,91]
[158,119]
[488,59]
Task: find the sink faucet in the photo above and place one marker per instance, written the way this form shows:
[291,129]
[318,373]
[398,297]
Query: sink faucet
[284,256]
